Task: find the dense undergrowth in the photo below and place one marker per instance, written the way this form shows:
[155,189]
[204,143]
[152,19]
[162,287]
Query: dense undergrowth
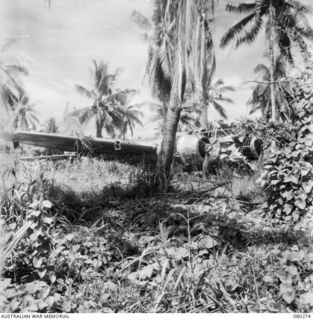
[94,236]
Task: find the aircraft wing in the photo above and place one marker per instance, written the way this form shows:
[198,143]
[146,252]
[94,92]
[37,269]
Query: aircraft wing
[109,149]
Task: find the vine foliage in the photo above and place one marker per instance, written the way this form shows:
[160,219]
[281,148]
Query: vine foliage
[288,172]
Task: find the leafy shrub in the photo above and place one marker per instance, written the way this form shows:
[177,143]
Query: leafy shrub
[288,171]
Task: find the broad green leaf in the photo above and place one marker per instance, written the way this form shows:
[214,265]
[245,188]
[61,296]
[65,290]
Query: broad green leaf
[288,208]
[35,234]
[44,292]
[146,272]
[35,213]
[9,293]
[307,186]
[4,283]
[207,243]
[268,279]
[42,305]
[50,301]
[37,262]
[52,278]
[42,273]
[232,285]
[48,220]
[292,270]
[178,253]
[14,305]
[307,299]
[46,204]
[287,292]
[300,203]
[288,195]
[67,306]
[75,247]
[296,215]
[292,179]
[296,256]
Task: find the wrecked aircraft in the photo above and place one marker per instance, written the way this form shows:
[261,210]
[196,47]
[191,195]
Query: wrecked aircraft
[191,148]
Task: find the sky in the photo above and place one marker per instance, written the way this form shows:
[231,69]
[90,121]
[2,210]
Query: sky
[59,43]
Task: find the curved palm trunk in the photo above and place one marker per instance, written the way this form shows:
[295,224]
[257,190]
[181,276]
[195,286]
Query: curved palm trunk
[166,153]
[272,60]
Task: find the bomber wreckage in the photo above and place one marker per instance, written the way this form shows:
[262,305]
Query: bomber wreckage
[193,149]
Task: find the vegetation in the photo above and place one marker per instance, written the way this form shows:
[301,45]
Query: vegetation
[51,126]
[286,28]
[14,101]
[287,176]
[260,98]
[110,106]
[216,99]
[92,236]
[130,112]
[23,115]
[183,58]
[88,235]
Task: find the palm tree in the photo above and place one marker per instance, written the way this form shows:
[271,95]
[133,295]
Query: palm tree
[23,115]
[180,56]
[130,114]
[131,117]
[51,126]
[260,97]
[189,117]
[286,26]
[215,98]
[9,79]
[103,108]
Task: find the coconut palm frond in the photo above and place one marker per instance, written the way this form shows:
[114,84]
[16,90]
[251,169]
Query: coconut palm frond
[85,115]
[142,21]
[225,89]
[16,69]
[82,90]
[224,99]
[248,36]
[9,247]
[290,25]
[106,100]
[234,31]
[220,109]
[23,114]
[8,98]
[219,82]
[241,7]
[262,68]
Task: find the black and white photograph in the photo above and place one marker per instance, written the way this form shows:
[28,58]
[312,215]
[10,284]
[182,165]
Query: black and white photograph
[156,156]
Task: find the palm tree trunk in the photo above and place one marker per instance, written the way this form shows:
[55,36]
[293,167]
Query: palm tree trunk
[204,112]
[99,127]
[168,144]
[164,108]
[272,59]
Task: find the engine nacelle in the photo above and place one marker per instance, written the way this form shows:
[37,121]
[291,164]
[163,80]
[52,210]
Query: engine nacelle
[191,148]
